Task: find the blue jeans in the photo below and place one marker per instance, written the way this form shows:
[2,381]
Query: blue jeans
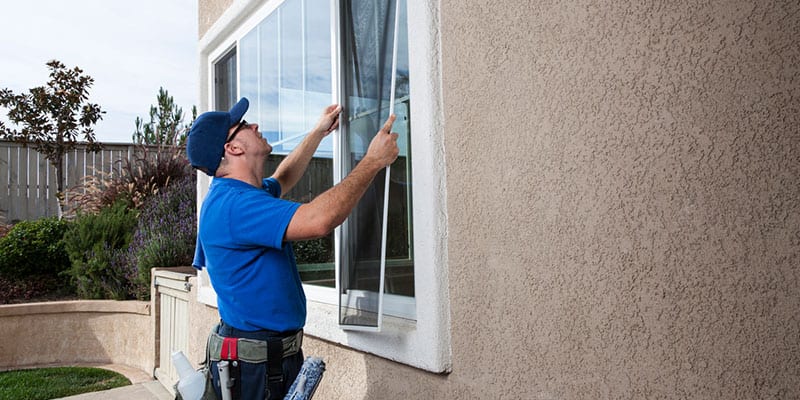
[250,380]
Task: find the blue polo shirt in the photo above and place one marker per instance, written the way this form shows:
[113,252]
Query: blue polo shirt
[252,270]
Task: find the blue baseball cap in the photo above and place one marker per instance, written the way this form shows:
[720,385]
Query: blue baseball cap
[205,144]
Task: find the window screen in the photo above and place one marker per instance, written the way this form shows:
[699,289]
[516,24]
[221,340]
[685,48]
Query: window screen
[367,32]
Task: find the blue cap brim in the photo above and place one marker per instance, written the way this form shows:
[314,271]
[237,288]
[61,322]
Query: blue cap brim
[237,111]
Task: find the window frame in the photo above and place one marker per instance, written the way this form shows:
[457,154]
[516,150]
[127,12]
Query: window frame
[423,342]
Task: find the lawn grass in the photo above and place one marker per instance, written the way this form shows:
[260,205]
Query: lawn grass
[51,383]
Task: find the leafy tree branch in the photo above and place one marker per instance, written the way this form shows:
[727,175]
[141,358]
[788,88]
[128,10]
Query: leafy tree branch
[53,118]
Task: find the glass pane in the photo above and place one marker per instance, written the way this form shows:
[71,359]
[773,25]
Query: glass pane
[399,246]
[315,258]
[290,91]
[291,31]
[269,83]
[367,38]
[317,72]
[225,81]
[318,46]
[291,119]
[297,75]
[287,78]
[248,72]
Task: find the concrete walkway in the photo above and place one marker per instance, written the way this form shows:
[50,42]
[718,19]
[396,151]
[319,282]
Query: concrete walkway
[152,390]
[142,387]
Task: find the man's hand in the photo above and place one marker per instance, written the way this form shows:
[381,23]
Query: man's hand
[329,120]
[292,168]
[383,148]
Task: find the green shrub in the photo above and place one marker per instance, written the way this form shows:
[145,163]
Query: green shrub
[34,248]
[96,244]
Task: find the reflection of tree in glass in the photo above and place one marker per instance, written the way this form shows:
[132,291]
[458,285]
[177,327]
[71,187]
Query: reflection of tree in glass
[315,251]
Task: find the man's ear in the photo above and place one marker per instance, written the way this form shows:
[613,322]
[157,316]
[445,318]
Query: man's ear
[233,148]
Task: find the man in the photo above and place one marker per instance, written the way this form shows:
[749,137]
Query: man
[245,234]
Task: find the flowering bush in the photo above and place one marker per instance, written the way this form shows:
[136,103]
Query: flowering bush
[156,187]
[165,235]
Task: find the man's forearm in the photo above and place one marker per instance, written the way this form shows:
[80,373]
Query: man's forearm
[339,201]
[328,210]
[292,168]
[331,208]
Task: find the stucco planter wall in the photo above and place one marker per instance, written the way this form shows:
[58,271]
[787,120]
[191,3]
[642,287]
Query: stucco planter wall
[75,332]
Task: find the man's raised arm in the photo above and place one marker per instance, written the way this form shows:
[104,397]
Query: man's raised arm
[331,208]
[292,168]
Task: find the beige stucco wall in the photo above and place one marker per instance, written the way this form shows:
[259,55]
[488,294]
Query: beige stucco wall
[77,332]
[623,187]
[622,193]
[208,12]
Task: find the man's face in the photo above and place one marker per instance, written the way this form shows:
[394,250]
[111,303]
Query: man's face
[249,135]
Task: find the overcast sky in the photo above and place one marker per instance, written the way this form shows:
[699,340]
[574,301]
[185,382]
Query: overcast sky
[130,48]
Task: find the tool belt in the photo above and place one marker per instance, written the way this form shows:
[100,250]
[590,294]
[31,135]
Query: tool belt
[251,350]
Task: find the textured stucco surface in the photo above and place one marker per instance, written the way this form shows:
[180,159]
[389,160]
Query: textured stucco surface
[208,12]
[622,193]
[76,332]
[623,197]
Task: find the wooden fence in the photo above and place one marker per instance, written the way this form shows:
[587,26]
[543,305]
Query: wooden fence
[317,179]
[29,191]
[30,186]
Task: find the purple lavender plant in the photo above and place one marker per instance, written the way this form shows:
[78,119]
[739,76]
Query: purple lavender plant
[166,234]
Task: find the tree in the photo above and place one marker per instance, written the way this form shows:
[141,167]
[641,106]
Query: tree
[52,118]
[166,125]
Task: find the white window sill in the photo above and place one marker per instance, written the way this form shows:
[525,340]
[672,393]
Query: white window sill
[400,340]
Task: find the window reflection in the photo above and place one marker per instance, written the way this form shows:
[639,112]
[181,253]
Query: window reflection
[286,72]
[269,77]
[286,67]
[225,81]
